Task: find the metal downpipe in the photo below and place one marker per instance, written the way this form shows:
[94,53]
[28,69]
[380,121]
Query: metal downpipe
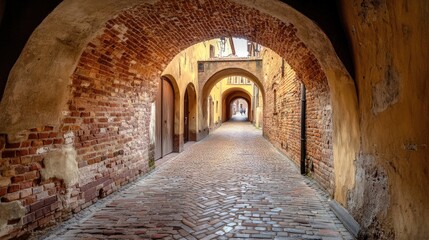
[303,138]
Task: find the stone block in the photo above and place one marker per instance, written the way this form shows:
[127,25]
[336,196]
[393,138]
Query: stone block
[10,211]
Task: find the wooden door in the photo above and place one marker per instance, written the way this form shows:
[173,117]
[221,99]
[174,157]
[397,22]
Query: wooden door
[186,117]
[167,117]
[164,126]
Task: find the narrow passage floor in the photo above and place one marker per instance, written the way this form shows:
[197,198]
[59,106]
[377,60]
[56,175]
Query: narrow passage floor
[233,184]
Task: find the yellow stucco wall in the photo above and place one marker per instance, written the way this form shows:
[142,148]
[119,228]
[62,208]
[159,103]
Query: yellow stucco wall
[183,70]
[216,95]
[390,46]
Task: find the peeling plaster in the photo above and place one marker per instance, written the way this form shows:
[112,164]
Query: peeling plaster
[62,163]
[370,199]
[386,92]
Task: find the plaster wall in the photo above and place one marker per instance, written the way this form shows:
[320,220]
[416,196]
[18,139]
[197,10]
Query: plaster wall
[216,101]
[246,87]
[391,51]
[257,107]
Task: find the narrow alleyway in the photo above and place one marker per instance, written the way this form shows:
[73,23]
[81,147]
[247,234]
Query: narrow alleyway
[233,184]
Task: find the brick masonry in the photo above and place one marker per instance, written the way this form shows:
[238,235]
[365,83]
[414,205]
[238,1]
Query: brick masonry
[112,88]
[282,116]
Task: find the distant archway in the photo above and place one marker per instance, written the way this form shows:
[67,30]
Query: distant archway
[229,96]
[212,81]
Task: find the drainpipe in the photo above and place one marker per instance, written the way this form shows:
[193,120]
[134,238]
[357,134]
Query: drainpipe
[303,139]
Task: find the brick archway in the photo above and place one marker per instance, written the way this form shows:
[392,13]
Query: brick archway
[210,78]
[88,72]
[212,70]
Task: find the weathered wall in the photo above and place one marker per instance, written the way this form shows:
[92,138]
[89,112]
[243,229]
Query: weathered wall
[18,20]
[282,116]
[102,139]
[391,51]
[183,70]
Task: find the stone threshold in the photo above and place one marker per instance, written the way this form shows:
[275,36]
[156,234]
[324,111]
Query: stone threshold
[344,216]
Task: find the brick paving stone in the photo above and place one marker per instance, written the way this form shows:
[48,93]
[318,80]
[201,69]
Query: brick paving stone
[232,184]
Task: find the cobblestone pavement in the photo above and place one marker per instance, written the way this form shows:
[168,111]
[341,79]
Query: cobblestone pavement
[232,185]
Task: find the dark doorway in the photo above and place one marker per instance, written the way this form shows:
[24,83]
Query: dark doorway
[164,119]
[186,117]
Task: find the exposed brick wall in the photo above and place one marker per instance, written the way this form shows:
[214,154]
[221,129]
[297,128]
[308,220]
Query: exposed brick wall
[319,134]
[111,91]
[21,179]
[108,114]
[283,118]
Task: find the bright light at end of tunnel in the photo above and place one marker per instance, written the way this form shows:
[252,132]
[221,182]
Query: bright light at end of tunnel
[240,45]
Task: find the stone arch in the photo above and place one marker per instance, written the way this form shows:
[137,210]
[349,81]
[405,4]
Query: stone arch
[229,96]
[218,68]
[97,61]
[211,80]
[227,72]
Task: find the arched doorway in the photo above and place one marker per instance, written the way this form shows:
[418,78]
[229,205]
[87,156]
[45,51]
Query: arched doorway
[212,80]
[164,119]
[189,114]
[242,100]
[238,107]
